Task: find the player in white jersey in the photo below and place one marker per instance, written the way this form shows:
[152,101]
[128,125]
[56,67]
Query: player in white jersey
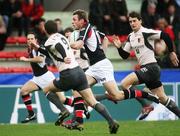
[41,78]
[78,102]
[141,40]
[71,75]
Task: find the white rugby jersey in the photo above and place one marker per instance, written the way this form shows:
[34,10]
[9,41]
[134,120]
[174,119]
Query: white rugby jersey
[142,42]
[82,62]
[56,56]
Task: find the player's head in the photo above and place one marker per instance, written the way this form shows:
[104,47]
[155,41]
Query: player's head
[80,18]
[135,21]
[68,31]
[50,27]
[31,38]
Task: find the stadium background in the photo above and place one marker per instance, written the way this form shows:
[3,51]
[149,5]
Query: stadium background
[126,110]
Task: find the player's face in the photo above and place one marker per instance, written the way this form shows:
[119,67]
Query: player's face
[76,22]
[135,24]
[30,39]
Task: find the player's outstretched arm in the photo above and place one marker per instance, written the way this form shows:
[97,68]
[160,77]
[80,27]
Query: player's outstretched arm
[116,41]
[174,59]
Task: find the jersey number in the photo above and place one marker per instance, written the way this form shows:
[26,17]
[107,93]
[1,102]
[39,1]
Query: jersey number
[65,42]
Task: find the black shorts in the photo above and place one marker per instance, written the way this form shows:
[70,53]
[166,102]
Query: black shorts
[150,75]
[72,79]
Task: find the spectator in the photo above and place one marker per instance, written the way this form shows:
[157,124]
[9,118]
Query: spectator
[163,25]
[144,5]
[174,20]
[33,10]
[3,34]
[96,14]
[150,17]
[59,25]
[12,14]
[108,26]
[120,17]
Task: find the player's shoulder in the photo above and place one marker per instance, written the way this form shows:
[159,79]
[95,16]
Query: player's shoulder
[52,39]
[149,30]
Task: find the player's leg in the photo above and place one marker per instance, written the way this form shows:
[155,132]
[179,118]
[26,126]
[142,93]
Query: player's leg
[166,101]
[132,79]
[146,106]
[26,89]
[52,97]
[90,99]
[117,95]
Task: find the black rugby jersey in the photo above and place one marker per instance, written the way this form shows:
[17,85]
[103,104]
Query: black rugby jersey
[92,44]
[37,68]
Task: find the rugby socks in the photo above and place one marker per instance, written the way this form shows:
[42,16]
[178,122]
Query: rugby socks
[104,112]
[79,109]
[27,101]
[134,93]
[171,105]
[52,97]
[143,102]
[69,101]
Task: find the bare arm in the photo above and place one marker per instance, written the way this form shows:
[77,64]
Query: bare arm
[77,44]
[117,43]
[172,55]
[37,59]
[174,59]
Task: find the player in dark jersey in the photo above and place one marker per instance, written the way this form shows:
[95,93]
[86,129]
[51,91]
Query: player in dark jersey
[141,40]
[71,75]
[41,78]
[101,69]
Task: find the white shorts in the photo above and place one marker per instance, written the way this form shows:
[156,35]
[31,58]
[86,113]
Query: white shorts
[102,71]
[43,80]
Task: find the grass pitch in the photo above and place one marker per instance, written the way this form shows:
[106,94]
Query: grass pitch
[127,128]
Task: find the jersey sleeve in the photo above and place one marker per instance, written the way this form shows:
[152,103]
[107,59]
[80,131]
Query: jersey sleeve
[127,46]
[155,34]
[83,35]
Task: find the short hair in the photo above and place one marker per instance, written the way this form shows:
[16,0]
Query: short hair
[41,20]
[68,29]
[33,33]
[58,19]
[51,27]
[134,14]
[82,14]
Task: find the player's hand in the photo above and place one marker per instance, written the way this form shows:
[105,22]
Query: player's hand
[116,41]
[23,58]
[34,45]
[174,59]
[67,60]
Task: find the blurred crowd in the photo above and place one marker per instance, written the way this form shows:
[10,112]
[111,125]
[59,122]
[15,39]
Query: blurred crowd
[108,16]
[20,15]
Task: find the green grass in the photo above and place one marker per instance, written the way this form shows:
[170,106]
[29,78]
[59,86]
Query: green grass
[127,128]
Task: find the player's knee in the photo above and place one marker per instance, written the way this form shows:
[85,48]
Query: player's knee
[24,91]
[163,99]
[117,96]
[123,85]
[46,90]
